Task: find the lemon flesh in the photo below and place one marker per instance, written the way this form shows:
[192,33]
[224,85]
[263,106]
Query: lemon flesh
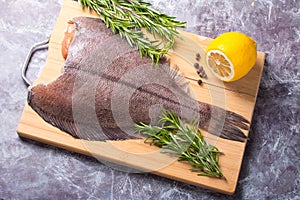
[231,56]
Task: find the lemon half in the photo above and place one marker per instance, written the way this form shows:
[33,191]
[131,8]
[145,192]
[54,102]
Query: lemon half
[231,56]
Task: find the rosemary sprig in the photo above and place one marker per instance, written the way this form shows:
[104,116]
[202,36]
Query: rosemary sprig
[128,17]
[185,141]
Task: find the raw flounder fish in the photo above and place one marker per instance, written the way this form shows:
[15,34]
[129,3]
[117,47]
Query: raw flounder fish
[106,87]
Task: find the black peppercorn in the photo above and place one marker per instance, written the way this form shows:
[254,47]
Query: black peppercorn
[201,72]
[199,82]
[196,65]
[198,56]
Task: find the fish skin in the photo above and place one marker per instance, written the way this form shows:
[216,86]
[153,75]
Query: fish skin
[90,81]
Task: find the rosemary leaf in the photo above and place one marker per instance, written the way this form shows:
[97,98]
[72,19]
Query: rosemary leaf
[177,138]
[127,17]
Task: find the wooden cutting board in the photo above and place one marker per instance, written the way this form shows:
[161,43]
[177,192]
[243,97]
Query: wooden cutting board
[239,96]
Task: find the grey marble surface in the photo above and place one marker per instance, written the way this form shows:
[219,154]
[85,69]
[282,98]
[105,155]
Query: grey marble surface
[270,170]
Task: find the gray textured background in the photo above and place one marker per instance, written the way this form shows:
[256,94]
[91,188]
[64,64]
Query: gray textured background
[270,170]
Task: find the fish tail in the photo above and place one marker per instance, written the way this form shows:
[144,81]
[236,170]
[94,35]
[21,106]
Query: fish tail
[223,123]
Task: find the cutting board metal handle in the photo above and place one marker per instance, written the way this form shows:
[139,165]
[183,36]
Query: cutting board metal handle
[36,47]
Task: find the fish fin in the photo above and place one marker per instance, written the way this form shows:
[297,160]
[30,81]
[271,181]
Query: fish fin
[179,79]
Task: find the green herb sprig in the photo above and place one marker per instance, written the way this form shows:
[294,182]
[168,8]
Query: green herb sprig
[128,17]
[185,141]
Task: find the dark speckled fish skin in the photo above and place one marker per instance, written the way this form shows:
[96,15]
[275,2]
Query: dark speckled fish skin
[54,101]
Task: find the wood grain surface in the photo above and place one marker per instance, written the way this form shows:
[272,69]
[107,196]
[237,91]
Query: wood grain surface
[239,96]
